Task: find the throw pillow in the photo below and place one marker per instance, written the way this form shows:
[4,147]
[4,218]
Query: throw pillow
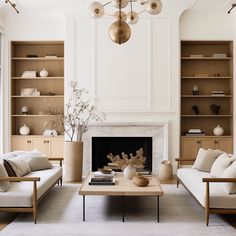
[207,162]
[4,185]
[39,163]
[200,156]
[220,165]
[9,169]
[230,172]
[19,165]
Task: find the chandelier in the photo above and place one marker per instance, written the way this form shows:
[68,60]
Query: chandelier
[119,30]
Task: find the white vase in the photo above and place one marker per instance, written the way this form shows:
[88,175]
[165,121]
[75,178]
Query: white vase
[43,73]
[129,172]
[24,130]
[218,131]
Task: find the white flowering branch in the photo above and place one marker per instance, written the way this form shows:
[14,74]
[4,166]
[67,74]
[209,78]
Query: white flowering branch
[78,112]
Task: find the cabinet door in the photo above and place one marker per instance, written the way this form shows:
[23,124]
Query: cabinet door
[207,143]
[224,144]
[57,147]
[41,144]
[24,143]
[189,147]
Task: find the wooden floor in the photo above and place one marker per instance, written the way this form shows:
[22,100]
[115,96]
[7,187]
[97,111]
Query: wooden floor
[7,218]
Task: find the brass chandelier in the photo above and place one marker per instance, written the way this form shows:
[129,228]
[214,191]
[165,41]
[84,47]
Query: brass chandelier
[119,30]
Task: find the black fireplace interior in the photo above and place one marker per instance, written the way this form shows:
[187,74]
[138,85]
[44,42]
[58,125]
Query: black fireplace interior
[102,146]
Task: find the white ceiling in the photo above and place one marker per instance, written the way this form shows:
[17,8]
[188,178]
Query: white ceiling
[202,5]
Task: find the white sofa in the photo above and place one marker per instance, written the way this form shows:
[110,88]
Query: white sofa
[207,190]
[25,192]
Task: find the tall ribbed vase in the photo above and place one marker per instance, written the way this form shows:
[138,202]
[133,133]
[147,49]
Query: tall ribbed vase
[73,161]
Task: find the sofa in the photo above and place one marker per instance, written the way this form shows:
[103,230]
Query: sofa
[33,177]
[211,180]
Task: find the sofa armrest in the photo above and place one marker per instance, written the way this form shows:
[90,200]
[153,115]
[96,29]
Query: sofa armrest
[19,179]
[219,180]
[179,160]
[60,159]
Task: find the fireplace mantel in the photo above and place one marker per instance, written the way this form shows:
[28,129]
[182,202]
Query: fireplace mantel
[158,130]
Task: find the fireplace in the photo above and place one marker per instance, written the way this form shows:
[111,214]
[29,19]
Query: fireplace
[130,146]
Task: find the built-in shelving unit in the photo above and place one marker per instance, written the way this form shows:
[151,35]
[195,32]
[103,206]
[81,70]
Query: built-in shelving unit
[35,56]
[207,65]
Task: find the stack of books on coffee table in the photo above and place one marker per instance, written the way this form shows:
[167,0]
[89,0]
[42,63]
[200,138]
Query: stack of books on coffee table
[100,178]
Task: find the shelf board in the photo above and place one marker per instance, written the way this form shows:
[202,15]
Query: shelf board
[206,58]
[41,96]
[206,136]
[206,96]
[207,77]
[37,78]
[206,116]
[30,116]
[37,59]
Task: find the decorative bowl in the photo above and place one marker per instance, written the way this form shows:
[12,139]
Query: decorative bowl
[105,171]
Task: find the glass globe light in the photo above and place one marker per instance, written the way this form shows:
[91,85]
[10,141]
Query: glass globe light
[154,6]
[96,10]
[122,17]
[116,3]
[132,18]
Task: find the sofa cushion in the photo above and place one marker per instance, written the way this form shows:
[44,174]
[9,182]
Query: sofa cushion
[230,172]
[220,165]
[19,165]
[192,180]
[200,156]
[9,168]
[20,194]
[4,185]
[207,162]
[39,163]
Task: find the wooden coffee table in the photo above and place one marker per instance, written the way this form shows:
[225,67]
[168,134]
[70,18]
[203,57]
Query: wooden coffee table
[123,188]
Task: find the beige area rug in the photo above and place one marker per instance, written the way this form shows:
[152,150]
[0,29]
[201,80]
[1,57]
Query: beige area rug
[60,213]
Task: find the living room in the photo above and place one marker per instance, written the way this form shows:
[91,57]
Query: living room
[172,75]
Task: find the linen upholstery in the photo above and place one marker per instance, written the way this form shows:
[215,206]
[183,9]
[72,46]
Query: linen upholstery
[230,172]
[4,185]
[220,165]
[39,163]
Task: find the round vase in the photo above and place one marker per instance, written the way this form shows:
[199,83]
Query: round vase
[43,73]
[218,131]
[129,172]
[24,130]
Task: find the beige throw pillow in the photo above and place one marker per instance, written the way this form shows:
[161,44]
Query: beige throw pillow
[4,185]
[200,156]
[39,163]
[19,165]
[220,165]
[207,162]
[230,172]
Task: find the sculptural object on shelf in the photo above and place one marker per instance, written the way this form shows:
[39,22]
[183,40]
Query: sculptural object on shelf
[215,109]
[195,109]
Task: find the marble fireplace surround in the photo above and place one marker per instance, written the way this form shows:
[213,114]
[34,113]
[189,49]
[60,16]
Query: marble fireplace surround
[158,132]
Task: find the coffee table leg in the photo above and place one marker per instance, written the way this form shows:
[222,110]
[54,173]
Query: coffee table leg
[158,217]
[123,208]
[83,207]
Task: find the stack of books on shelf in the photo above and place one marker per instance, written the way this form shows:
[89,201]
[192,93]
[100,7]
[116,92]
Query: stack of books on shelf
[195,132]
[217,93]
[102,179]
[29,74]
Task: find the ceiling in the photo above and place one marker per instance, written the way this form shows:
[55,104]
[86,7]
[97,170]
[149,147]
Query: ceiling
[202,5]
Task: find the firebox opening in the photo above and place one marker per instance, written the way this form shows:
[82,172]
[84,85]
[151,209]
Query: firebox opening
[130,146]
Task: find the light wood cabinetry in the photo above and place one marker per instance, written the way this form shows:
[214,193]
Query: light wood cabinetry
[208,66]
[36,56]
[51,146]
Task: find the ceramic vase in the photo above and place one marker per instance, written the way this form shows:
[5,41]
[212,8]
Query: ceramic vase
[73,161]
[43,73]
[24,130]
[218,131]
[165,170]
[129,171]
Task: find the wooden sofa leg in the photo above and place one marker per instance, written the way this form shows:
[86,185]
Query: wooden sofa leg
[177,183]
[207,216]
[35,202]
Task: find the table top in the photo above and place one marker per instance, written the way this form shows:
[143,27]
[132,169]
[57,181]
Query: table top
[122,187]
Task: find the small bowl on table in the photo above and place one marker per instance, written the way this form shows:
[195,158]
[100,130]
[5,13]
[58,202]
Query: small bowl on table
[105,171]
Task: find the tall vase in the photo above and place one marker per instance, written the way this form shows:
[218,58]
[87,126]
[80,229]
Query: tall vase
[73,161]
